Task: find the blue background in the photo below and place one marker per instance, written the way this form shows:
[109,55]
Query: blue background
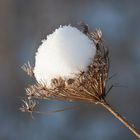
[24,23]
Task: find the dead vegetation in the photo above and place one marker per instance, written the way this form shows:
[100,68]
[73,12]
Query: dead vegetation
[88,86]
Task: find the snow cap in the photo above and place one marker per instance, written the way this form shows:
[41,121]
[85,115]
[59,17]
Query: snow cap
[65,53]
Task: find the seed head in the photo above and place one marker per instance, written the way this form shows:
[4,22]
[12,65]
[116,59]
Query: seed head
[70,66]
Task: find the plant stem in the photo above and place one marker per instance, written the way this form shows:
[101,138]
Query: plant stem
[119,117]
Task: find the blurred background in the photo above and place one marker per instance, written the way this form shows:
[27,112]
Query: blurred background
[24,23]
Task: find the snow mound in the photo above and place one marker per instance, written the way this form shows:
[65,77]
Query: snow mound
[64,53]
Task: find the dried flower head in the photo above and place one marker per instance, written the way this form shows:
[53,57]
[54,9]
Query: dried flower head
[72,66]
[59,60]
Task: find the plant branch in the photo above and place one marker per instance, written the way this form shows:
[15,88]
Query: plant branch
[119,117]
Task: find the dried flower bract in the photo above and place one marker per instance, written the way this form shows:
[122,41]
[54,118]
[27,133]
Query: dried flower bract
[28,106]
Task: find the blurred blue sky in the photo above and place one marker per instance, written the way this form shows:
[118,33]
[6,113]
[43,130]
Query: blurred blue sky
[24,23]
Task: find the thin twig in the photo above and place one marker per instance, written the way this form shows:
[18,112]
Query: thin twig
[58,110]
[119,117]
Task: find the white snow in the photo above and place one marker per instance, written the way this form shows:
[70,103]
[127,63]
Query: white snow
[64,53]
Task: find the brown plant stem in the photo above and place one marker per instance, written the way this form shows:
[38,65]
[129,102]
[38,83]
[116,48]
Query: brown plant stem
[130,126]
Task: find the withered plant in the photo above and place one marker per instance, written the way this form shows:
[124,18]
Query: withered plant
[89,86]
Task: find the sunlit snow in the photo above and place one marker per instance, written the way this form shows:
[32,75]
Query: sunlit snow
[64,53]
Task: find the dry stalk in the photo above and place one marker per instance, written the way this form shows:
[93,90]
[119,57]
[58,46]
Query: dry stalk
[89,86]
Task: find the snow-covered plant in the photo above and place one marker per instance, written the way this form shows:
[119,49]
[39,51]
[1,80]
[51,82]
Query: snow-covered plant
[71,65]
[65,53]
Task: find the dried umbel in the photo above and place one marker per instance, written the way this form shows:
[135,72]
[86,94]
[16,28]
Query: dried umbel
[86,86]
